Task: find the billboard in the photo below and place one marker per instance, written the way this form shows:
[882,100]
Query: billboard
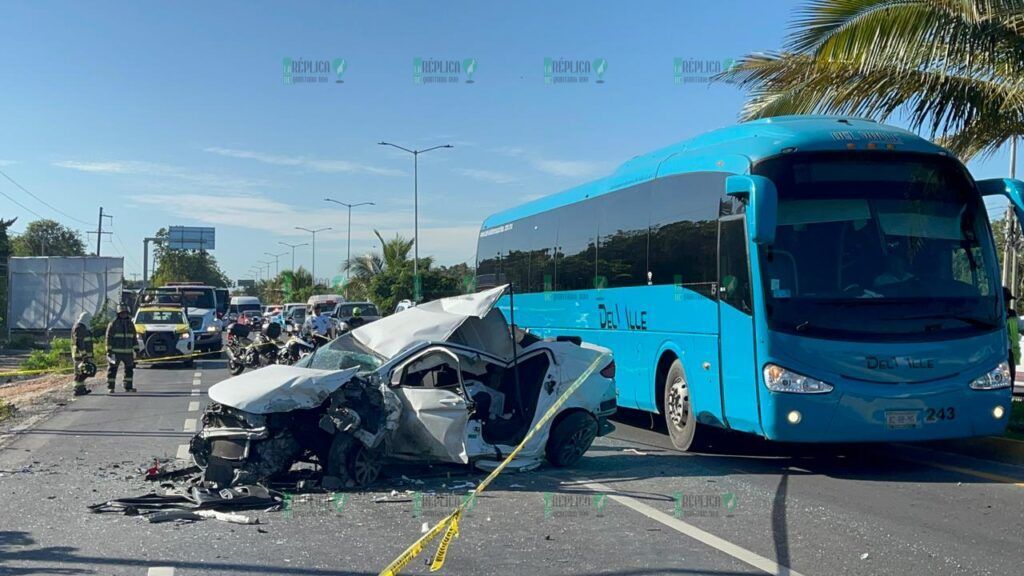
[246,283]
[50,292]
[190,238]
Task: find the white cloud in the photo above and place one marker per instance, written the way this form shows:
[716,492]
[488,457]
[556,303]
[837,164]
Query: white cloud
[570,168]
[486,175]
[449,242]
[162,173]
[315,164]
[8,162]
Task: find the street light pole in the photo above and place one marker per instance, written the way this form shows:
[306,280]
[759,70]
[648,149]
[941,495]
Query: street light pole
[313,232]
[277,269]
[416,209]
[293,247]
[348,256]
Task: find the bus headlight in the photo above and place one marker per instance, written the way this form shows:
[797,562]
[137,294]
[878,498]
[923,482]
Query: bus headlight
[998,377]
[779,379]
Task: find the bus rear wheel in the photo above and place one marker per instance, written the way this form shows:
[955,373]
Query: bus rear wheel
[678,409]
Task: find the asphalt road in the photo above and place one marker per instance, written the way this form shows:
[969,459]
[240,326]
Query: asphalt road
[632,507]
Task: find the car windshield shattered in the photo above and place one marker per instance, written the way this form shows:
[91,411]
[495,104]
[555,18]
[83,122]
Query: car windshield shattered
[343,353]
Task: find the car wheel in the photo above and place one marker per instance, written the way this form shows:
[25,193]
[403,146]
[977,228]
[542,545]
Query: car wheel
[363,465]
[189,363]
[678,409]
[571,438]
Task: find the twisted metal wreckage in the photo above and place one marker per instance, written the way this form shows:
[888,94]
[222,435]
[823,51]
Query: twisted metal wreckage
[442,382]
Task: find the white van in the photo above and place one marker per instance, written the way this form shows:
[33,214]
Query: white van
[326,301]
[240,304]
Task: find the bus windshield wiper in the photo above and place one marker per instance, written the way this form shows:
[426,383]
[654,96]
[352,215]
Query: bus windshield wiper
[976,322]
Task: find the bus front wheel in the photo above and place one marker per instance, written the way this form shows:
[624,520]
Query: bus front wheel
[679,416]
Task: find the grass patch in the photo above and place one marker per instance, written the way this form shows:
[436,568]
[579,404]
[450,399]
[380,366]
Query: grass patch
[6,410]
[58,357]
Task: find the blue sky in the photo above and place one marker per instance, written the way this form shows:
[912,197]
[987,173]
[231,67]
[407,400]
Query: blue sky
[178,114]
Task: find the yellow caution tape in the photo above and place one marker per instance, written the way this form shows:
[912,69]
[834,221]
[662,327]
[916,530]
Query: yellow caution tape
[100,364]
[442,549]
[450,524]
[417,547]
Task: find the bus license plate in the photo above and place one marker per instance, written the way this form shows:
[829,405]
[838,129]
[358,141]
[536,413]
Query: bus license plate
[901,419]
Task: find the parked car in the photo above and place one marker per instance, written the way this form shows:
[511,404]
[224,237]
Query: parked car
[163,332]
[344,313]
[436,384]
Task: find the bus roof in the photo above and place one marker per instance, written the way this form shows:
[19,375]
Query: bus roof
[734,149]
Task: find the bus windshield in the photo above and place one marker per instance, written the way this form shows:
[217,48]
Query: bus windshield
[878,246]
[198,297]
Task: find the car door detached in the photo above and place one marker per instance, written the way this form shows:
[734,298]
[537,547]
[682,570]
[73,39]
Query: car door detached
[433,421]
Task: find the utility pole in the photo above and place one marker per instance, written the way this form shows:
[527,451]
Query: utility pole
[277,270]
[1009,250]
[348,256]
[99,230]
[415,210]
[313,232]
[293,247]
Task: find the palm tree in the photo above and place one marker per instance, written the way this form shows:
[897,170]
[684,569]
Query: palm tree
[952,67]
[394,255]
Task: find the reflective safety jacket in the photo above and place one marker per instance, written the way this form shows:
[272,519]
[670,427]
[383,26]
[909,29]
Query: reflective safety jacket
[81,340]
[121,336]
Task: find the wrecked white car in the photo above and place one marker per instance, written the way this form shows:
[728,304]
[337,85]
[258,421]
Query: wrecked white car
[435,383]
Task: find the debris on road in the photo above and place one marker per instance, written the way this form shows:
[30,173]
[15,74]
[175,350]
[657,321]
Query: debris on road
[196,499]
[634,451]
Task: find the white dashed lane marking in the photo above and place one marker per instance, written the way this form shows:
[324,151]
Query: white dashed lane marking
[160,571]
[195,392]
[193,406]
[720,544]
[182,452]
[190,425]
[197,375]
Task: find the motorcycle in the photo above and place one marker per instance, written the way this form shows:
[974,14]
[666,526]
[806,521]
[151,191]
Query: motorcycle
[300,345]
[243,353]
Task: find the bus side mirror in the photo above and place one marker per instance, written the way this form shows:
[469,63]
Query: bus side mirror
[1008,187]
[762,204]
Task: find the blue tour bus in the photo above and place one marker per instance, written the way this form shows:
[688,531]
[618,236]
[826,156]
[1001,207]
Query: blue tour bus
[802,278]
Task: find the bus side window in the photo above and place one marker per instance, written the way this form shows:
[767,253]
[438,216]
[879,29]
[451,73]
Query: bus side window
[735,273]
[683,245]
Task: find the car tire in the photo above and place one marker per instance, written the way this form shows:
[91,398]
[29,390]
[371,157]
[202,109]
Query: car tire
[363,465]
[189,363]
[349,459]
[570,438]
[683,429]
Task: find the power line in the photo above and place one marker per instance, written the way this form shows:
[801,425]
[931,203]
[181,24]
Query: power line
[38,215]
[41,201]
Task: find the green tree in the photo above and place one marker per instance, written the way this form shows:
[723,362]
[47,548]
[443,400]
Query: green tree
[953,68]
[5,253]
[386,278]
[174,265]
[48,238]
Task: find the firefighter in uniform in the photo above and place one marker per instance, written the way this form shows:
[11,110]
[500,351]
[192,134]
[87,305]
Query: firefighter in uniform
[81,352]
[121,349]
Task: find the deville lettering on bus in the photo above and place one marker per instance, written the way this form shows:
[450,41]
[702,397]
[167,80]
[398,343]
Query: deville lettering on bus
[612,319]
[896,362]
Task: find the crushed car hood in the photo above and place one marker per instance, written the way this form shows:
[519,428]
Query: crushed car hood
[473,316]
[278,388]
